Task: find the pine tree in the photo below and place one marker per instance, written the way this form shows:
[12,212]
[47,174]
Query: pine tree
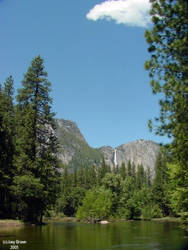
[140,176]
[36,145]
[129,169]
[148,176]
[6,146]
[123,170]
[102,170]
[160,184]
[168,68]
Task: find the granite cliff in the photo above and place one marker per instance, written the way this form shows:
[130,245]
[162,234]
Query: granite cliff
[139,152]
[75,151]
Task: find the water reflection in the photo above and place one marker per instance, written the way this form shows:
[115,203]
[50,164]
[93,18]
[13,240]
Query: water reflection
[79,236]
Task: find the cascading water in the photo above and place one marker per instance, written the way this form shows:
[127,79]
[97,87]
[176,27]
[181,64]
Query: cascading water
[115,157]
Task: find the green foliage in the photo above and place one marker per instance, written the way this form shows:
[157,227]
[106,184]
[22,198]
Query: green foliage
[156,211]
[132,197]
[138,202]
[74,184]
[123,171]
[70,200]
[140,176]
[179,190]
[28,187]
[129,169]
[146,212]
[86,156]
[126,206]
[113,182]
[29,192]
[160,188]
[168,68]
[144,196]
[102,171]
[131,209]
[96,205]
[7,132]
[36,142]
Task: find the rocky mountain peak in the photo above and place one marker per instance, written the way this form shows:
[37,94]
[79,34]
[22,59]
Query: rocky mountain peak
[70,127]
[74,150]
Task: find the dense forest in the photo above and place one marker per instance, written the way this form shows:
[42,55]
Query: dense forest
[28,145]
[34,183]
[126,192]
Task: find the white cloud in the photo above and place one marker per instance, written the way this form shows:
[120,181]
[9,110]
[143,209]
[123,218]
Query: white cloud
[128,12]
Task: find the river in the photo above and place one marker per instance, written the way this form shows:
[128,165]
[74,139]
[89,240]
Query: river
[130,235]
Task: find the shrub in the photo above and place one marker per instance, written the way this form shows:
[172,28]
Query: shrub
[146,213]
[156,212]
[96,205]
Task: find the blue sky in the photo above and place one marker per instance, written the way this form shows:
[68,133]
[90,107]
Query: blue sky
[94,52]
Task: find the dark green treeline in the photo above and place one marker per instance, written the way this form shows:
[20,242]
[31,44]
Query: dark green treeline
[128,192]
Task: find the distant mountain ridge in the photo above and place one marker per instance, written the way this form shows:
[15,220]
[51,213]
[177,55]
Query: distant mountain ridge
[75,151]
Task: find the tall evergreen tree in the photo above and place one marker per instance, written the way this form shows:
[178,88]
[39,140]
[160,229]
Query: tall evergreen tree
[131,169]
[101,171]
[161,183]
[140,176]
[123,170]
[168,68]
[36,146]
[6,146]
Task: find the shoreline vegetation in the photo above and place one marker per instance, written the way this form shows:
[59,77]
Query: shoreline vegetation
[111,220]
[19,223]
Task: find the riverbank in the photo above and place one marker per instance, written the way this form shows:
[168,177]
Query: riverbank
[17,223]
[11,223]
[60,219]
[111,220]
[167,219]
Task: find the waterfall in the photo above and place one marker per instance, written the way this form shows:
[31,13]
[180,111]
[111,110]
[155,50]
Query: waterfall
[115,157]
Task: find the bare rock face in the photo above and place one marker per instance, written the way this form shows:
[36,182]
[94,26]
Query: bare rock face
[108,153]
[140,152]
[75,151]
[70,139]
[70,127]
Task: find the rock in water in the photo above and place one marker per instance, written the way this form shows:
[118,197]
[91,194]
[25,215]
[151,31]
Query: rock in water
[103,222]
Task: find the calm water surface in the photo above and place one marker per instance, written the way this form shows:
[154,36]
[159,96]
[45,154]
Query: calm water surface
[139,235]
